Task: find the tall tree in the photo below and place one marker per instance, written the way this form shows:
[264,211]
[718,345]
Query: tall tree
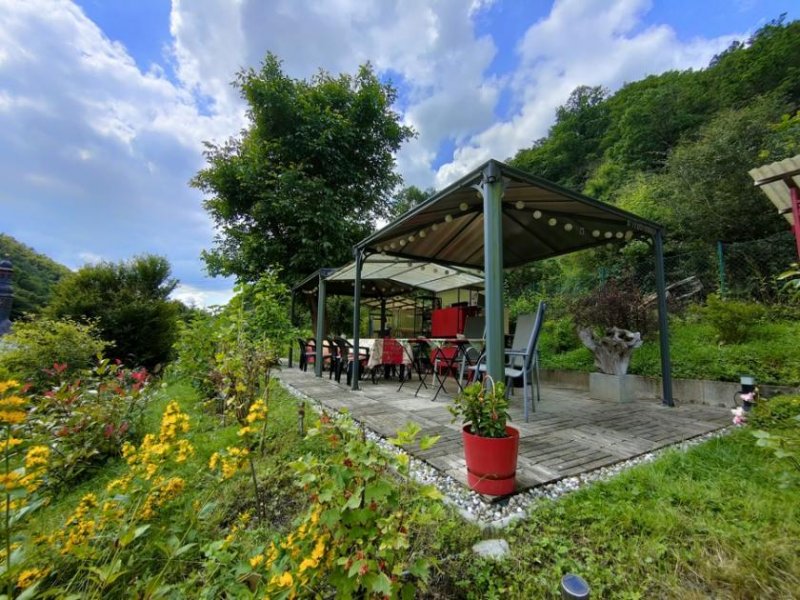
[572,146]
[129,300]
[408,198]
[307,178]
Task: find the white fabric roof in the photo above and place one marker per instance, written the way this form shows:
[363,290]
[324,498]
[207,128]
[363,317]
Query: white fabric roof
[424,275]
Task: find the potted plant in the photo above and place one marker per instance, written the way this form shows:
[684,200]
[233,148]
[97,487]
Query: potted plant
[490,445]
[609,321]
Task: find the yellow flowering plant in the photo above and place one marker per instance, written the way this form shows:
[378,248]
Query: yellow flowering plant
[233,459]
[24,468]
[355,534]
[97,544]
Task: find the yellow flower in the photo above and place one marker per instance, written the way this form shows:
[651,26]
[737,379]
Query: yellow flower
[30,576]
[10,481]
[319,549]
[12,402]
[285,580]
[214,461]
[245,431]
[11,417]
[308,563]
[7,385]
[256,560]
[185,450]
[6,445]
[37,457]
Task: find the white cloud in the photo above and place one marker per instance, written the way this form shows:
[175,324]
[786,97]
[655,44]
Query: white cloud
[194,296]
[95,155]
[581,42]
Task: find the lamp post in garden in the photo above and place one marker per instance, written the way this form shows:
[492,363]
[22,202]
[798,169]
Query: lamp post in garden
[6,295]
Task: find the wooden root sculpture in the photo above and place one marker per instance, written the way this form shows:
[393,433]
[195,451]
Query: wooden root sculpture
[612,352]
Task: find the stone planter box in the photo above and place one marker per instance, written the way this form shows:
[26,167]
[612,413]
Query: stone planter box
[616,388]
[689,391]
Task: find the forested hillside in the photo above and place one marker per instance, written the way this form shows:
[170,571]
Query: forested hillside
[676,148]
[34,276]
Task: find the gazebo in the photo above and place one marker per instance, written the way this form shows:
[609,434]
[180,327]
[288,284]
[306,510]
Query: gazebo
[498,217]
[381,278]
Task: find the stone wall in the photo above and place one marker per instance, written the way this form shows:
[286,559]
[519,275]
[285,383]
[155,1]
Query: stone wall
[692,391]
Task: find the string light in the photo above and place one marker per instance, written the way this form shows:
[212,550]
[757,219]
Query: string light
[568,227]
[628,235]
[411,238]
[402,243]
[448,218]
[520,205]
[608,235]
[435,226]
[620,235]
[552,222]
[596,233]
[422,233]
[537,214]
[463,206]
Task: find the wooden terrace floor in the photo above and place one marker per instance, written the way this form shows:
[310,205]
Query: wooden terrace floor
[568,434]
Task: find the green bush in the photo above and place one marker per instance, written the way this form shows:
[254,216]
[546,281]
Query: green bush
[86,420]
[130,302]
[195,349]
[778,412]
[559,335]
[733,320]
[35,346]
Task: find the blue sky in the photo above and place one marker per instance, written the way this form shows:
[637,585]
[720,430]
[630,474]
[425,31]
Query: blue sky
[104,104]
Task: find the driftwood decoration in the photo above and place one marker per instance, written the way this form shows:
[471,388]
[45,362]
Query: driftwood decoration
[612,352]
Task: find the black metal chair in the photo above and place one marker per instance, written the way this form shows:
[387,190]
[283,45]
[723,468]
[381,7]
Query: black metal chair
[302,361]
[347,355]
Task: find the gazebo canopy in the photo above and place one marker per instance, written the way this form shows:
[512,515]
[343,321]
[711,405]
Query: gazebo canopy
[383,287]
[424,275]
[539,220]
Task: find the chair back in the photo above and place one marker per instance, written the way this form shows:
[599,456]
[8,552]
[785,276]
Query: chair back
[526,336]
[530,350]
[475,328]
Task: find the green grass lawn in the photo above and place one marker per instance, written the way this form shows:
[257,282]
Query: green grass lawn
[717,521]
[772,354]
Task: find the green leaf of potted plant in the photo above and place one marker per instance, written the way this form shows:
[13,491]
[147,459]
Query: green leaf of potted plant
[490,445]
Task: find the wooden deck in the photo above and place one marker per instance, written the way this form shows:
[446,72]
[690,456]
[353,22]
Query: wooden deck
[568,434]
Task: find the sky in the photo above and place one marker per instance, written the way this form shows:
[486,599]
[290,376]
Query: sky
[105,104]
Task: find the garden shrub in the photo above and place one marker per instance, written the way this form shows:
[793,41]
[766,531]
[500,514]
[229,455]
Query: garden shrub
[777,412]
[34,347]
[559,336]
[733,320]
[355,536]
[87,420]
[617,303]
[196,349]
[130,302]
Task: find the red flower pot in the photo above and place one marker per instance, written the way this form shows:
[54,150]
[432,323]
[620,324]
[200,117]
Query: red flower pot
[491,462]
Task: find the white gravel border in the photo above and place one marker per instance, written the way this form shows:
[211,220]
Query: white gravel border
[500,514]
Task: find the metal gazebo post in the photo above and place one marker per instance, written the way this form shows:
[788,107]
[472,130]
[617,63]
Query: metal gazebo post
[320,325]
[291,322]
[492,190]
[359,254]
[663,328]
